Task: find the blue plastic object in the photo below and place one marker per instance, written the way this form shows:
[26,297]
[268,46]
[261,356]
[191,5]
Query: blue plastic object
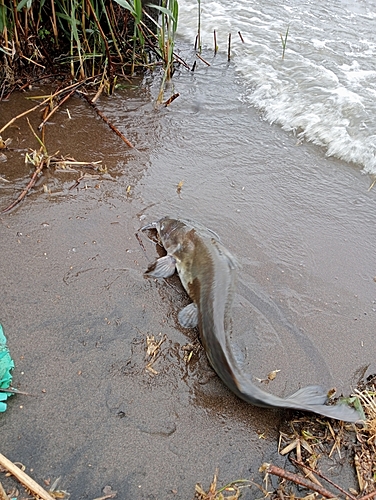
[6,365]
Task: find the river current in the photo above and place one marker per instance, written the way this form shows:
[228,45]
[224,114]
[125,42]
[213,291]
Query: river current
[323,89]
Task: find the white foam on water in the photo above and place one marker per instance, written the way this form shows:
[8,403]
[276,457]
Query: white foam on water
[324,89]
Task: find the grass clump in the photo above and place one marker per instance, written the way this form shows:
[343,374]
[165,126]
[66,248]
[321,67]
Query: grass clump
[83,38]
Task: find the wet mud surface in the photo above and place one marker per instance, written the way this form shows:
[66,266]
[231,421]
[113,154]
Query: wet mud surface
[77,310]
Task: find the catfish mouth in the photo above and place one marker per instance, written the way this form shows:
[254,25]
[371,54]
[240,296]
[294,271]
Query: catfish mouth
[152,232]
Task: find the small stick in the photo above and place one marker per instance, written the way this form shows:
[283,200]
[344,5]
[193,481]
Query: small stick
[241,38]
[323,477]
[215,43]
[368,496]
[13,390]
[284,474]
[179,59]
[24,479]
[106,120]
[194,66]
[33,180]
[229,47]
[172,98]
[56,108]
[196,41]
[202,59]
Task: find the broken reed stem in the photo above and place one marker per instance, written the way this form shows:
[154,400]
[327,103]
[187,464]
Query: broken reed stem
[203,60]
[215,42]
[56,108]
[304,466]
[31,183]
[229,47]
[104,38]
[241,38]
[106,120]
[196,41]
[25,479]
[75,85]
[172,98]
[289,476]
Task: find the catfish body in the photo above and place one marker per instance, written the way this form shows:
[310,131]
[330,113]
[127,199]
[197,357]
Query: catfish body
[207,271]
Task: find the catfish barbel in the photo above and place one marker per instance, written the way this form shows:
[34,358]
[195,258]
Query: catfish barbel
[207,271]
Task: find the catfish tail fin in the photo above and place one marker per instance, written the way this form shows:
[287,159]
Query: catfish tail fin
[312,398]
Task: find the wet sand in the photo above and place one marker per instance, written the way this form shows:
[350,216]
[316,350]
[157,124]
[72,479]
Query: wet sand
[77,310]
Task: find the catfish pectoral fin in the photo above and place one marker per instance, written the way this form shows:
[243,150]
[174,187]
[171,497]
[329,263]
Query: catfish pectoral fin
[188,317]
[162,268]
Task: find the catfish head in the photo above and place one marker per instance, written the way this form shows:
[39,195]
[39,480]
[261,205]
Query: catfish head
[178,238]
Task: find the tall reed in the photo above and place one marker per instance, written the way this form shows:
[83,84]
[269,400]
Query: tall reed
[166,30]
[85,37]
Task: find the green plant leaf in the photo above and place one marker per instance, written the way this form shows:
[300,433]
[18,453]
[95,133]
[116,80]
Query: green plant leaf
[164,10]
[138,10]
[22,4]
[126,5]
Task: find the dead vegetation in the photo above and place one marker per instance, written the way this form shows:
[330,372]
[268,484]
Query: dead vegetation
[312,445]
[40,159]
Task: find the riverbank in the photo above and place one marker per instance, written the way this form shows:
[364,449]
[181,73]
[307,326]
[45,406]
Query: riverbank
[77,310]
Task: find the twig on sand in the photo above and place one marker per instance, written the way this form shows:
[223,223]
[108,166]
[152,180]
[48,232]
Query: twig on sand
[305,466]
[106,120]
[25,479]
[31,183]
[13,390]
[284,474]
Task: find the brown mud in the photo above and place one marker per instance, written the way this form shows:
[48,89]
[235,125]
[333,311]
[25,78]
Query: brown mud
[77,310]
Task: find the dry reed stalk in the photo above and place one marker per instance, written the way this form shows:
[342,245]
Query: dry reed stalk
[26,480]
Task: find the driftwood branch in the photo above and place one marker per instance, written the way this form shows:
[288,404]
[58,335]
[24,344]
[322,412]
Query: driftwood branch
[25,479]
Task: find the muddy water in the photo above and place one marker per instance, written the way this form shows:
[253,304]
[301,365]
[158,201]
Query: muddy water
[77,310]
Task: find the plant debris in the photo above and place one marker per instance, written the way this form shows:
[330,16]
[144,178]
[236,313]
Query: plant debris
[230,491]
[315,439]
[153,351]
[311,443]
